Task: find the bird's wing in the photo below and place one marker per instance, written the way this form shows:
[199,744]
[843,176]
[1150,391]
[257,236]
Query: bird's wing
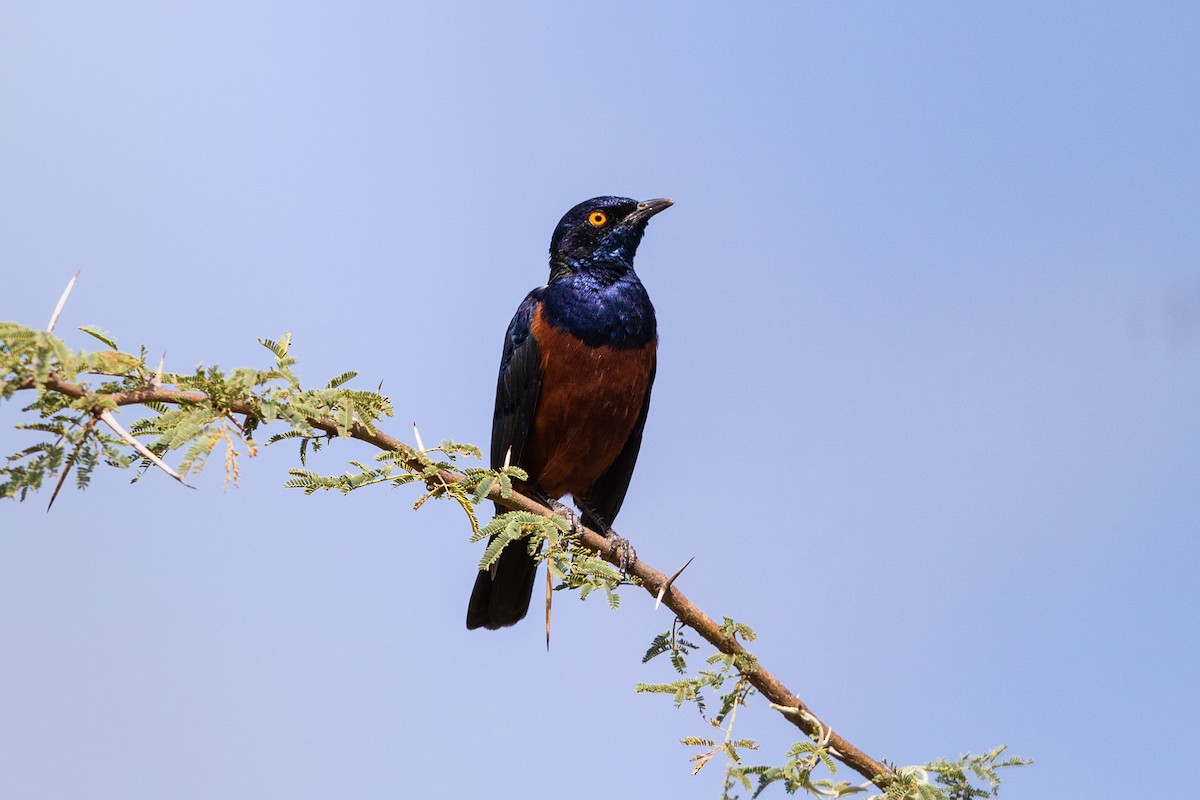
[501,595]
[608,492]
[517,386]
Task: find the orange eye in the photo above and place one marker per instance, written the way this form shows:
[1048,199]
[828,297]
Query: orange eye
[597,218]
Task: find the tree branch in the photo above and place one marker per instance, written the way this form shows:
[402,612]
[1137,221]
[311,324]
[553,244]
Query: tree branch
[781,698]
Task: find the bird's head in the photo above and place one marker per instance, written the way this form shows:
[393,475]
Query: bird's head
[601,232]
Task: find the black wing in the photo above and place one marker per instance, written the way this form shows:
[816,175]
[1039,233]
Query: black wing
[517,386]
[501,594]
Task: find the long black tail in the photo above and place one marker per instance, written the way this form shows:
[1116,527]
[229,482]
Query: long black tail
[501,595]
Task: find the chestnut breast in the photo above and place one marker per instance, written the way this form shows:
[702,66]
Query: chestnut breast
[590,400]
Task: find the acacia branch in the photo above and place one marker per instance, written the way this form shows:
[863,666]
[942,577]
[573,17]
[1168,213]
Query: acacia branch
[790,706]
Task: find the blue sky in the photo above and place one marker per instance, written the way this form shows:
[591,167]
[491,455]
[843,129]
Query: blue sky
[926,411]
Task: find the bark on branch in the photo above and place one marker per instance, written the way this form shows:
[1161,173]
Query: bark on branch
[793,709]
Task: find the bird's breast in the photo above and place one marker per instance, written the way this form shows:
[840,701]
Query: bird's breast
[590,400]
[617,312]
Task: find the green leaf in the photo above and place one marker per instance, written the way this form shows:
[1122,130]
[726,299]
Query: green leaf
[111,362]
[102,335]
[349,375]
[485,486]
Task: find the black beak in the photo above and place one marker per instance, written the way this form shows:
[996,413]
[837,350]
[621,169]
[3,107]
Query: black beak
[647,209]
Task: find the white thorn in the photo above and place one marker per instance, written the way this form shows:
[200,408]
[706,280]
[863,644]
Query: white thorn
[508,457]
[158,374]
[107,416]
[417,435]
[62,301]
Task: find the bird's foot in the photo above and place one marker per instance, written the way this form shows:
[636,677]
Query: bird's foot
[621,551]
[576,527]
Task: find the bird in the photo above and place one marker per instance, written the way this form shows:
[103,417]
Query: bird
[573,391]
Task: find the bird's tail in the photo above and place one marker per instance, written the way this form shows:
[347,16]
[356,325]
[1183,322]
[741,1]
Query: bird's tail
[501,595]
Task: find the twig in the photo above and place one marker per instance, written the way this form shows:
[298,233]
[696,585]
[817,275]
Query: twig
[654,581]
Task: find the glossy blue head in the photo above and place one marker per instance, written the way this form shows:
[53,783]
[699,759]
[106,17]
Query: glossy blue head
[601,232]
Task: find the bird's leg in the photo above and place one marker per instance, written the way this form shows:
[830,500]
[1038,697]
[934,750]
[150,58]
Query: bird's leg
[619,547]
[562,510]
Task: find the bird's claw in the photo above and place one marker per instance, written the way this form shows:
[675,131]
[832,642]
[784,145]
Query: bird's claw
[576,527]
[621,551]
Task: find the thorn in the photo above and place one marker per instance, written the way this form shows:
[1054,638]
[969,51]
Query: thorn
[508,457]
[108,418]
[159,373]
[549,594]
[663,591]
[379,388]
[62,301]
[417,434]
[63,478]
[71,461]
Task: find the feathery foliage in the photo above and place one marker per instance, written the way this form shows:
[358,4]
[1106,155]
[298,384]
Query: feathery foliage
[963,779]
[202,421]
